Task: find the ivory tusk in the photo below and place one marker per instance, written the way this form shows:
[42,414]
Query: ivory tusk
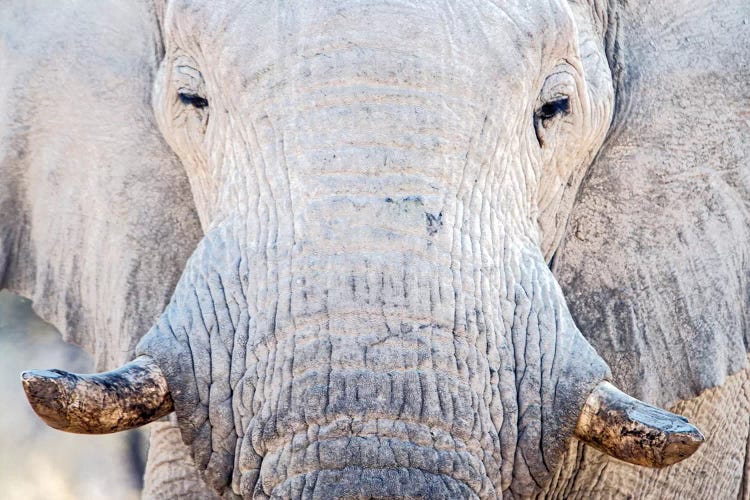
[128,397]
[633,431]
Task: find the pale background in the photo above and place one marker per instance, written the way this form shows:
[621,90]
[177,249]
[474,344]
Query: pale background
[37,462]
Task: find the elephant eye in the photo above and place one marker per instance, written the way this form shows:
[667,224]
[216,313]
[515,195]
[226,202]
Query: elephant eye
[193,100]
[554,108]
[547,112]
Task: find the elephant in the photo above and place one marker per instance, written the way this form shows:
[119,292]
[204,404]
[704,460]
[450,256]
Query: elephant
[389,249]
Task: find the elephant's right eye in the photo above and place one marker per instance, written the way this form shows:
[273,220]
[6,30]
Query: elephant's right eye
[545,115]
[554,108]
[193,100]
[556,104]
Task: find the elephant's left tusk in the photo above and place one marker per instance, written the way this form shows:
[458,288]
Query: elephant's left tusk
[633,431]
[128,397]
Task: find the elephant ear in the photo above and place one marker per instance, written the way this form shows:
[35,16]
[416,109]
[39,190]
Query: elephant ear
[656,257]
[96,215]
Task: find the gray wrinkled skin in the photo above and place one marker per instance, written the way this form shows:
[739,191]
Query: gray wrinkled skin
[369,312]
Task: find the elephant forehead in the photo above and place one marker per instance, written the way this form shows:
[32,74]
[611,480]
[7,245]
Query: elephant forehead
[491,42]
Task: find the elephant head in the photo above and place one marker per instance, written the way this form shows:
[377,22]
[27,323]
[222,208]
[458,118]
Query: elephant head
[382,190]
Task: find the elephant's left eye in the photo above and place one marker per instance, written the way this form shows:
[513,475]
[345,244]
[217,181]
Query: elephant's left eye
[193,100]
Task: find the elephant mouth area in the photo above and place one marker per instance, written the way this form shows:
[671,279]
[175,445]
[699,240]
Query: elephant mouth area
[364,483]
[375,466]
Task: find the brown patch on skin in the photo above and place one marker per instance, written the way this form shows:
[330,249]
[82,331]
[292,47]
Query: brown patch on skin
[630,430]
[128,397]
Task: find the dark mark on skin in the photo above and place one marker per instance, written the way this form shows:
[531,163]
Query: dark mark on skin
[434,223]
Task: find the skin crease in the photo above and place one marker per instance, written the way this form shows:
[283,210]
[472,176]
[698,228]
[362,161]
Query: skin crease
[342,80]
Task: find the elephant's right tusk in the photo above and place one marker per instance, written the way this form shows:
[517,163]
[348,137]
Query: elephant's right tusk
[128,397]
[633,431]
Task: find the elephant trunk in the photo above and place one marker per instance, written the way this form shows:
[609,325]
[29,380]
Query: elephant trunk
[356,353]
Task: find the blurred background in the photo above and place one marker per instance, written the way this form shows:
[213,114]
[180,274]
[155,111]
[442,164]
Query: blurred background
[37,462]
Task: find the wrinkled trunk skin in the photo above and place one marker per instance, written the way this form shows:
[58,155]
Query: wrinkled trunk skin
[361,360]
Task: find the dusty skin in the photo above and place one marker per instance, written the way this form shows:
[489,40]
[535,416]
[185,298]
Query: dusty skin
[388,248]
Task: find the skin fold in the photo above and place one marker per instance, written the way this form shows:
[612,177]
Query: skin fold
[364,212]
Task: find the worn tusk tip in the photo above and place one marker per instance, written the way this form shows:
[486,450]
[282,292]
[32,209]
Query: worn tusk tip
[682,443]
[46,394]
[128,397]
[635,432]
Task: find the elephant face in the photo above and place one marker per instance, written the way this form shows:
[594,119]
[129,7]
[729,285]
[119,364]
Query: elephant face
[381,187]
[516,99]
